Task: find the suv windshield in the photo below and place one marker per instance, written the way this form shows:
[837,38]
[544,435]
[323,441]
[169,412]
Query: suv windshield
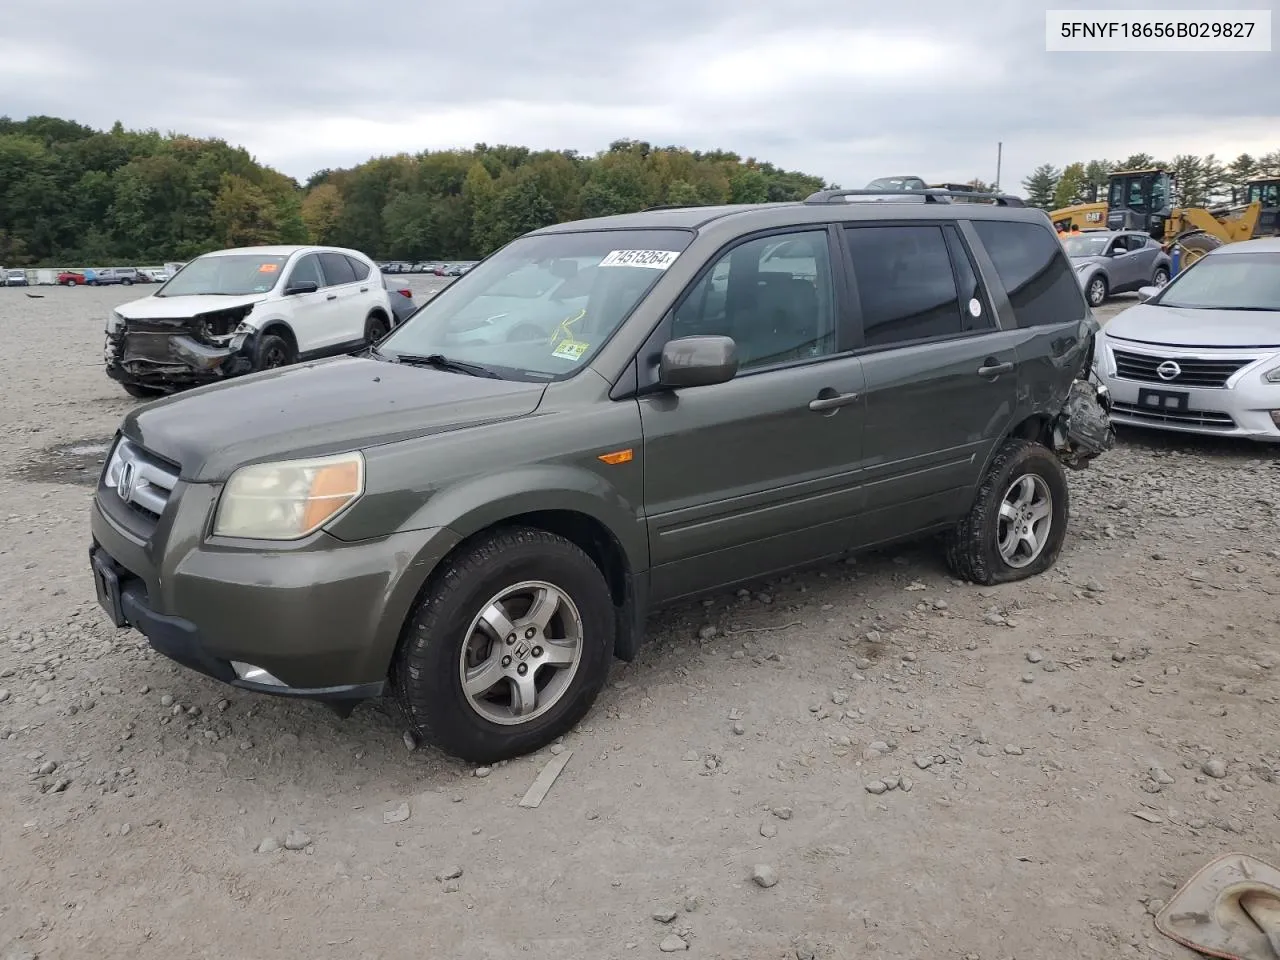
[226,275]
[1085,246]
[1229,281]
[541,307]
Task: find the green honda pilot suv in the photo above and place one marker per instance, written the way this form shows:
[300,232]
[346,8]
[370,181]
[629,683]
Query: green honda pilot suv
[603,417]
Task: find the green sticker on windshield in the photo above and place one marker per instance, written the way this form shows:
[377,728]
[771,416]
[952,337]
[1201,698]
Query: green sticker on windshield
[571,349]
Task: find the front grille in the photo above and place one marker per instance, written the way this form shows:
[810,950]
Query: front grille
[147,346]
[1207,419]
[136,486]
[1192,371]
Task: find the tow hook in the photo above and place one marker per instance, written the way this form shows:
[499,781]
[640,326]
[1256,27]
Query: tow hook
[1083,430]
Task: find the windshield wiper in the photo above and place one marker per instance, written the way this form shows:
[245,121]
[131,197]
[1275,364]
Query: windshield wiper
[1186,306]
[440,362]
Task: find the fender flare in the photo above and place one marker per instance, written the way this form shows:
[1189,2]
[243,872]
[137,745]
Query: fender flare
[493,498]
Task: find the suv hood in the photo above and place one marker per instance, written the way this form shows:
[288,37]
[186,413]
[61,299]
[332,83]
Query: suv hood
[1169,326]
[171,308]
[313,409]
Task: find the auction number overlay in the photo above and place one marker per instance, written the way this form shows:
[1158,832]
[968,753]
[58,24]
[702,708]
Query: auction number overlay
[1158,31]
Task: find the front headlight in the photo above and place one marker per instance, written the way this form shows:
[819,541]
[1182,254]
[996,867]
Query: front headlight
[114,322]
[290,499]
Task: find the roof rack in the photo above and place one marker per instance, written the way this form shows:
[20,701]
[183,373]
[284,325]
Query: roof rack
[931,195]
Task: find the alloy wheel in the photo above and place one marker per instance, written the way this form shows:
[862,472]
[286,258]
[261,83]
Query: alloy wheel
[521,653]
[1026,517]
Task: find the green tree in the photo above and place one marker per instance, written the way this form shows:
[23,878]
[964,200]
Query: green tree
[1217,182]
[1072,186]
[320,212]
[1137,161]
[749,186]
[243,216]
[1097,174]
[1243,169]
[1188,171]
[683,194]
[517,210]
[1040,186]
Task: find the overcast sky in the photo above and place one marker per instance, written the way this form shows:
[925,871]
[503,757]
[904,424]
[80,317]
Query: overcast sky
[843,89]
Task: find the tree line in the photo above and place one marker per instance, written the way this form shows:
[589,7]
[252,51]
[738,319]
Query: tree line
[1202,181]
[70,194]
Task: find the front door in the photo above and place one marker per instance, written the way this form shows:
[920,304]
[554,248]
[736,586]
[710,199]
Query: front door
[941,376]
[761,473]
[346,313]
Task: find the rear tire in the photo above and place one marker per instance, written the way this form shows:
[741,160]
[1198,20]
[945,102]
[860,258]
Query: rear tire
[1024,492]
[375,328]
[447,638]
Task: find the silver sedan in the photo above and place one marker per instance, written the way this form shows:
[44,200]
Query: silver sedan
[1201,354]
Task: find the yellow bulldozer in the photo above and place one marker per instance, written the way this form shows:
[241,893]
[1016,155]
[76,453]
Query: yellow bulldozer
[1147,200]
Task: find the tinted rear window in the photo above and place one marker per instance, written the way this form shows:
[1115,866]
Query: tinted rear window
[337,269]
[1034,271]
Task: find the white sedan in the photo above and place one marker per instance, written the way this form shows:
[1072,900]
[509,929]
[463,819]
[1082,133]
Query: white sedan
[1202,354]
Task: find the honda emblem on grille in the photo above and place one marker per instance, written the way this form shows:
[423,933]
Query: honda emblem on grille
[128,477]
[1168,370]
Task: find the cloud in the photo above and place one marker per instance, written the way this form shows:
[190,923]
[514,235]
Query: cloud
[830,87]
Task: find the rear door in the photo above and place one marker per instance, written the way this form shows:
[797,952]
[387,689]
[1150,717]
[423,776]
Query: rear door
[1124,263]
[758,474]
[345,318]
[1145,251]
[372,289]
[941,374]
[1036,293]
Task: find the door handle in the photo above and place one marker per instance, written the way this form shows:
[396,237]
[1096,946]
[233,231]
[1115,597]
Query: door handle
[364,289]
[833,402]
[991,369]
[332,296]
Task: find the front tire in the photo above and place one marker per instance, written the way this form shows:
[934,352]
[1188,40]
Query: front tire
[508,648]
[1097,290]
[140,392]
[1160,278]
[273,351]
[1018,522]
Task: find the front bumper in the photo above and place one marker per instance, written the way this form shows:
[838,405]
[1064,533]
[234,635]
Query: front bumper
[1247,407]
[319,619]
[187,362]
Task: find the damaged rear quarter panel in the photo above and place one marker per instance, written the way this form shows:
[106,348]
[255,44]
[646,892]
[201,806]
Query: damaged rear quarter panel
[1052,358]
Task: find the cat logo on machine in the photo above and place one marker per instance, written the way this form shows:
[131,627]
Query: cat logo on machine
[1094,216]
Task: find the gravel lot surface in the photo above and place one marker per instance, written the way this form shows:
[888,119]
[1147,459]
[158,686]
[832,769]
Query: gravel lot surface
[869,760]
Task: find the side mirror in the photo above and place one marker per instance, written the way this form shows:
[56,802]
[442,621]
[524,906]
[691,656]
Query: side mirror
[698,362]
[1146,293]
[301,286]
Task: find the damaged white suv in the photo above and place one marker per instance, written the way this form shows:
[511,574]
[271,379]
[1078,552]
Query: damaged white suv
[239,311]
